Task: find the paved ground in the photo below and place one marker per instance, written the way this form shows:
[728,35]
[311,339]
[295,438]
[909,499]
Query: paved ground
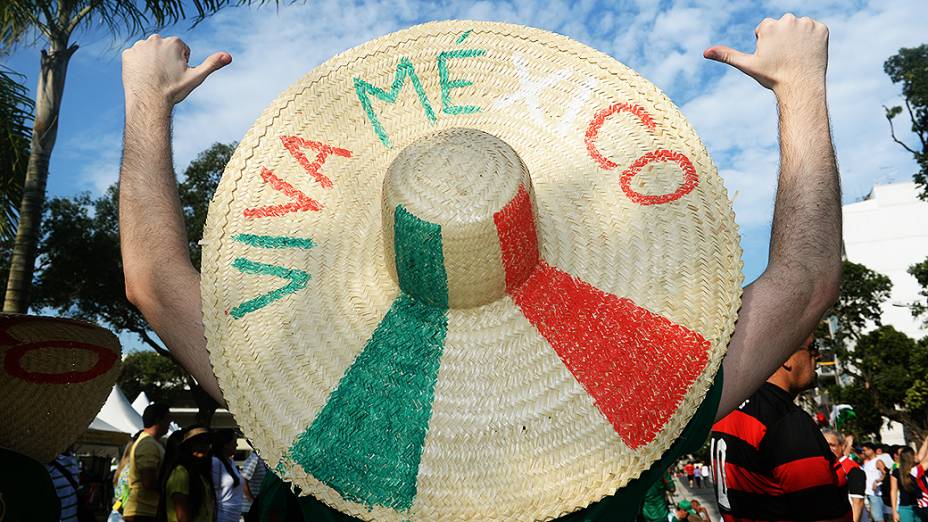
[705,495]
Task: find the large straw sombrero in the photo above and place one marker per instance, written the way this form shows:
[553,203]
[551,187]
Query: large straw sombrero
[468,270]
[56,375]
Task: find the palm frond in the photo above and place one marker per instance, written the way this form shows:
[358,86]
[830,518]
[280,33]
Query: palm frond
[15,132]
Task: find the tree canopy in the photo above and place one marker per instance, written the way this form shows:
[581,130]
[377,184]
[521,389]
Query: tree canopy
[159,377]
[889,379]
[53,23]
[80,270]
[885,372]
[910,68]
[862,294]
[920,272]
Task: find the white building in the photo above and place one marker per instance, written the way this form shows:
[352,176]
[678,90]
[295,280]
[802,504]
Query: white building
[888,232]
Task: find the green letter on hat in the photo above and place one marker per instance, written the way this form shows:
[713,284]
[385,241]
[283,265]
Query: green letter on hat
[363,89]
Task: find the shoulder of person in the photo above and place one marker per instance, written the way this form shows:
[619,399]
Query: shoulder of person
[178,479]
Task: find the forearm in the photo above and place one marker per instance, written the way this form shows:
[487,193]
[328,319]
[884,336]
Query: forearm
[894,494]
[805,243]
[152,232]
[160,279]
[922,451]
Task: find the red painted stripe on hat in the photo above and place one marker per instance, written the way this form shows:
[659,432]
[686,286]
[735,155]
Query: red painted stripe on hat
[743,426]
[636,365]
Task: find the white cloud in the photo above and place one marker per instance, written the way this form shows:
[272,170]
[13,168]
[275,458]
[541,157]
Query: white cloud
[734,116]
[737,121]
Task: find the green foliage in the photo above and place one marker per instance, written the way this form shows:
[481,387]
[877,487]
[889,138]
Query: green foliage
[159,377]
[80,267]
[26,21]
[910,68]
[920,272]
[15,132]
[80,270]
[888,379]
[863,292]
[200,181]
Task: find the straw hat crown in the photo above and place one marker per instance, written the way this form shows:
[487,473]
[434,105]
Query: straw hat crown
[450,187]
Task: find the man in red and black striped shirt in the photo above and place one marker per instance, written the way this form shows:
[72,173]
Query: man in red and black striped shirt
[770,459]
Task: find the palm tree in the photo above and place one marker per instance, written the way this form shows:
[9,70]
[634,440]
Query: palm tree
[15,117]
[53,22]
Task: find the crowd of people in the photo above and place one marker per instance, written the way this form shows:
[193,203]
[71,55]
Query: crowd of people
[191,477]
[697,474]
[893,485]
[773,462]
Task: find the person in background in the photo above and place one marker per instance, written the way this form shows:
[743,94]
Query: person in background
[121,482]
[706,475]
[904,489]
[875,468]
[227,481]
[65,471]
[684,512]
[908,483]
[186,479]
[145,459]
[657,498]
[850,475]
[253,471]
[775,463]
[700,510]
[690,471]
[885,486]
[697,474]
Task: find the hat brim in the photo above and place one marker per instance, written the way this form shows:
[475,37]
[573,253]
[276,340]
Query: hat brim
[296,286]
[56,376]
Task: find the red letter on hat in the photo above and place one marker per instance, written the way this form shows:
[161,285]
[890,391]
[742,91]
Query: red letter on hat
[690,178]
[301,202]
[295,143]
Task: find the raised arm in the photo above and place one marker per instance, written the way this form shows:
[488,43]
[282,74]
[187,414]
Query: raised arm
[802,279]
[160,279]
[922,455]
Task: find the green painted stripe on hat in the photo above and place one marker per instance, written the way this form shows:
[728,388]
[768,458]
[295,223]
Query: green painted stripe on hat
[420,263]
[367,441]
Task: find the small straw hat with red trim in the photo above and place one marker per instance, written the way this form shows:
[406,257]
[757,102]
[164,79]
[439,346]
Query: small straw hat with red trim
[56,376]
[468,270]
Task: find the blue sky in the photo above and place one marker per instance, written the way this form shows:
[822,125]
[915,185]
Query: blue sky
[662,40]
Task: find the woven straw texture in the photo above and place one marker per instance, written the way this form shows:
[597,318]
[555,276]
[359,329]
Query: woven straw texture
[468,270]
[56,375]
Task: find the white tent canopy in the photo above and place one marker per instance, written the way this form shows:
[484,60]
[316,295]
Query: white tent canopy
[140,403]
[118,414]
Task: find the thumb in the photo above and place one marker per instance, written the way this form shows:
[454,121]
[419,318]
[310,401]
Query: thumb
[212,63]
[724,54]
